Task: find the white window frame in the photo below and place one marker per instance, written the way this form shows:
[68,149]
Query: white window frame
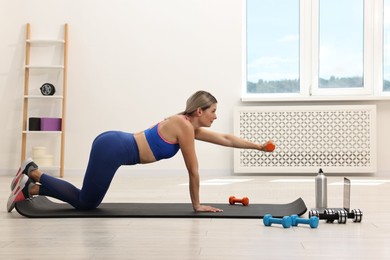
[309,59]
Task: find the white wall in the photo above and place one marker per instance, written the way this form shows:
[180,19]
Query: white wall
[132,63]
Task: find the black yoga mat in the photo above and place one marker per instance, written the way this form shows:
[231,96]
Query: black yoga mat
[42,207]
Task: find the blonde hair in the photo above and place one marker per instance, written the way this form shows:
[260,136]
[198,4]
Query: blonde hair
[200,99]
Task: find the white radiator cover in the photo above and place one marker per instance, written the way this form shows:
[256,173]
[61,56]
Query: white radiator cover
[338,139]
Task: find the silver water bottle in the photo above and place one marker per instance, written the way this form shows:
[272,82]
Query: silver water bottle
[321,190]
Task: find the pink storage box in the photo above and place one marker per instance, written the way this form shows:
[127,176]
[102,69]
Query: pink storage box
[51,124]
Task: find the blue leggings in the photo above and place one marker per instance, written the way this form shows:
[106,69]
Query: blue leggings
[109,151]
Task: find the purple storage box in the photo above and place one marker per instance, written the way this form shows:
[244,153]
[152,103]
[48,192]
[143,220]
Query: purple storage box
[51,124]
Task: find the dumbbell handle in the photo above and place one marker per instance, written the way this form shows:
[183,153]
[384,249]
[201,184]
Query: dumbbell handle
[326,216]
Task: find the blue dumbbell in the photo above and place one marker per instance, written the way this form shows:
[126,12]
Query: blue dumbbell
[312,221]
[268,220]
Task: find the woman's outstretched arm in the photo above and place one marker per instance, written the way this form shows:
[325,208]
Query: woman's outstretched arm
[229,140]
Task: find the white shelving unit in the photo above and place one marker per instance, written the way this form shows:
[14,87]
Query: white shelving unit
[45,68]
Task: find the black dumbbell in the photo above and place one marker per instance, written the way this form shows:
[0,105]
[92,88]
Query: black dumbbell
[330,215]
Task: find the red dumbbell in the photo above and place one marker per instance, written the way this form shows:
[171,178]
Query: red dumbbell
[244,201]
[269,146]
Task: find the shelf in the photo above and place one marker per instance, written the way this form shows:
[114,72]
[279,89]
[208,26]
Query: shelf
[45,67]
[42,132]
[43,97]
[45,41]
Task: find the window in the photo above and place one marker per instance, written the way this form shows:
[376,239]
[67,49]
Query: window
[341,44]
[386,46]
[273,46]
[316,49]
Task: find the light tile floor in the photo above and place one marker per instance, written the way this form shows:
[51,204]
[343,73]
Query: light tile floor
[149,238]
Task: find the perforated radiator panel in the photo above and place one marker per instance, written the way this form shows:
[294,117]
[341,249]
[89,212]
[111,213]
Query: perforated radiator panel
[339,139]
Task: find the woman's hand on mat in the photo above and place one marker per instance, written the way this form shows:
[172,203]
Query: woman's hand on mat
[204,208]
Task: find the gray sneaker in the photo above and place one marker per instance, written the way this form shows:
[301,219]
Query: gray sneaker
[25,168]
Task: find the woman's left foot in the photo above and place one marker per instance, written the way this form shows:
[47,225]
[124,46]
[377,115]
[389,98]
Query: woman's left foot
[27,166]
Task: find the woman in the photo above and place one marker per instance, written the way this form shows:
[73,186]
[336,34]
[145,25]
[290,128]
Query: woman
[112,149]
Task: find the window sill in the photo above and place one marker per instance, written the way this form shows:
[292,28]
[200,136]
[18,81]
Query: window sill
[299,98]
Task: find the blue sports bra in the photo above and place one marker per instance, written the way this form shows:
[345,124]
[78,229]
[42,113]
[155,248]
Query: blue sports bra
[161,148]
